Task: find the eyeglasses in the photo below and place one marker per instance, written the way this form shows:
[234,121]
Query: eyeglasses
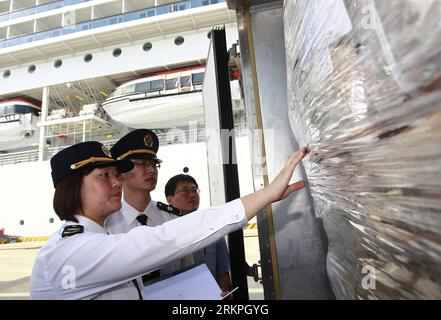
[188,191]
[146,164]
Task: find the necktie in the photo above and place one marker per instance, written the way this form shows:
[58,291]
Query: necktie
[142,218]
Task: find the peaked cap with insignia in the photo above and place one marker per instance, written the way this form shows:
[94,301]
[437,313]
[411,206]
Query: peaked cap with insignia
[90,154]
[138,144]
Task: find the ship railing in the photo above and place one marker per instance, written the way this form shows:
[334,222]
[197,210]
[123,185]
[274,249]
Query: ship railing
[37,9]
[18,157]
[107,21]
[165,138]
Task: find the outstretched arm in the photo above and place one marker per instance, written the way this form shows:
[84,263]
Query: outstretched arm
[278,189]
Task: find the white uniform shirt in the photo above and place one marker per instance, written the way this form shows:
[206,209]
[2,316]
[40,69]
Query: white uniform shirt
[123,220]
[94,264]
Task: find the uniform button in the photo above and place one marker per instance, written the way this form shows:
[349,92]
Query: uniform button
[211,229]
[236,217]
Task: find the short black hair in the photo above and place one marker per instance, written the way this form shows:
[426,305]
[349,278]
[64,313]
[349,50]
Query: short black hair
[170,186]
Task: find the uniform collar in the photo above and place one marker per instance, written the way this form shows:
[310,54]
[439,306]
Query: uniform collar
[152,204]
[129,213]
[88,224]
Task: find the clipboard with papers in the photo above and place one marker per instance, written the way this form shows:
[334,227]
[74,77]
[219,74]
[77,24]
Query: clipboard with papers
[194,283]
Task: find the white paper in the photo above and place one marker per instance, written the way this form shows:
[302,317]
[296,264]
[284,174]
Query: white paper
[194,284]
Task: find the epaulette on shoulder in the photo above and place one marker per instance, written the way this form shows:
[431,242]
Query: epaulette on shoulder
[170,209]
[72,230]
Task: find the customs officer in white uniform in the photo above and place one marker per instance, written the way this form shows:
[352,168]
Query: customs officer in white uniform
[140,147]
[83,261]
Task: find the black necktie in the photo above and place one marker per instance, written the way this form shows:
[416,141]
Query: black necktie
[142,218]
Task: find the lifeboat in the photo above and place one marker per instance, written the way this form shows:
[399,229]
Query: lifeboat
[160,101]
[18,124]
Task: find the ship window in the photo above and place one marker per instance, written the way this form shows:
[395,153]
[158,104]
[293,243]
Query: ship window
[21,222]
[4,111]
[117,52]
[58,63]
[116,92]
[142,87]
[10,110]
[197,78]
[156,85]
[128,89]
[31,68]
[20,109]
[6,74]
[171,83]
[185,81]
[51,220]
[147,46]
[179,40]
[88,57]
[151,13]
[33,111]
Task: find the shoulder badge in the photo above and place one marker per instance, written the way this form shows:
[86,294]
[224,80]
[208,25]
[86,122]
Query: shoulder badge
[168,208]
[72,230]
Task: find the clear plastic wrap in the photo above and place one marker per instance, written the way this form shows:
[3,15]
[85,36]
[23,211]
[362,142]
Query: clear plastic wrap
[364,92]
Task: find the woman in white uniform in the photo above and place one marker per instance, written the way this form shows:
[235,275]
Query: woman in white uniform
[82,261]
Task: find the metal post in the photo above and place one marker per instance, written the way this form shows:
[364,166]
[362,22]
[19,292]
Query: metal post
[84,130]
[231,179]
[43,117]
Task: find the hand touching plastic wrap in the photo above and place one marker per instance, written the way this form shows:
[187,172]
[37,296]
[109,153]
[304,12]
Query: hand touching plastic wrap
[364,92]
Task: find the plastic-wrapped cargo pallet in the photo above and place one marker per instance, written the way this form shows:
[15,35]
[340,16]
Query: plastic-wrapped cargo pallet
[364,92]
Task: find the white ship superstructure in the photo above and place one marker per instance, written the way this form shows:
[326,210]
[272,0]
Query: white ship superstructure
[70,56]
